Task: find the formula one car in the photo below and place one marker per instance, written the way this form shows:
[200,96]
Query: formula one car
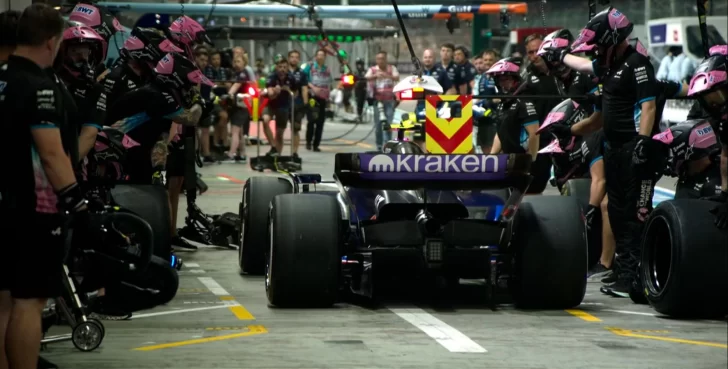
[408,213]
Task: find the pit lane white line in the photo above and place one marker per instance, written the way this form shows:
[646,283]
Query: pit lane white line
[192,265]
[180,311]
[447,336]
[213,286]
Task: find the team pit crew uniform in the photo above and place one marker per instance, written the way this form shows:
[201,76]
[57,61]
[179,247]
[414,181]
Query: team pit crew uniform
[464,74]
[279,108]
[630,187]
[516,115]
[570,164]
[690,141]
[120,80]
[30,266]
[145,115]
[538,83]
[451,71]
[89,101]
[300,80]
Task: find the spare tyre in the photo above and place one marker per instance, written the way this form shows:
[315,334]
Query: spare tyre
[151,203]
[684,270]
[258,193]
[580,188]
[550,253]
[304,261]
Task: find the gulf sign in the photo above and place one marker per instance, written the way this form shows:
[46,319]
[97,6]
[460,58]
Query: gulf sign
[449,135]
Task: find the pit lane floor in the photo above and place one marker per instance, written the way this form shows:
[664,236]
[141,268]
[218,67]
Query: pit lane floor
[220,319]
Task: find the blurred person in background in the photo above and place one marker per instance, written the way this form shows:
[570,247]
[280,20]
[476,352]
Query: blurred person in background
[219,119]
[446,52]
[664,70]
[464,71]
[682,68]
[487,125]
[239,116]
[8,25]
[360,88]
[383,77]
[319,79]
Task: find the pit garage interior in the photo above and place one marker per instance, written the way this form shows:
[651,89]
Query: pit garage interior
[222,319]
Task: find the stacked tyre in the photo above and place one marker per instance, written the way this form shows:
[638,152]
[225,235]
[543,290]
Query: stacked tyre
[685,261]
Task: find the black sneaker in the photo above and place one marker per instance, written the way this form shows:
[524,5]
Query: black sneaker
[597,272]
[272,152]
[178,241]
[620,288]
[316,149]
[606,289]
[241,159]
[208,160]
[609,278]
[308,146]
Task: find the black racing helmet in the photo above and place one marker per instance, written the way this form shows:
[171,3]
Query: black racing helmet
[688,141]
[568,112]
[558,40]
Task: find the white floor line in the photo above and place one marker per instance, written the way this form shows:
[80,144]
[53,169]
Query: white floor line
[180,311]
[213,286]
[192,265]
[447,336]
[630,312]
[192,271]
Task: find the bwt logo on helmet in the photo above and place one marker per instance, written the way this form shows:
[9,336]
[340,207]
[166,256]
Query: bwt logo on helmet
[84,10]
[435,163]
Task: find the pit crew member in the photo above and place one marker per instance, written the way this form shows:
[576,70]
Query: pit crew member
[631,158]
[43,192]
[8,27]
[279,87]
[464,71]
[100,20]
[319,79]
[239,115]
[300,90]
[517,130]
[710,86]
[81,50]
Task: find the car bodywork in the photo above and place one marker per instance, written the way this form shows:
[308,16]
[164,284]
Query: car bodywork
[455,225]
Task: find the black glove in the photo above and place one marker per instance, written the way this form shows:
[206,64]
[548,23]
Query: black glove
[590,216]
[721,210]
[644,150]
[71,200]
[560,130]
[554,55]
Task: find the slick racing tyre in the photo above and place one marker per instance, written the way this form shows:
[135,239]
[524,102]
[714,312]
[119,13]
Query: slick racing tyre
[550,253]
[684,270]
[258,193]
[157,286]
[151,203]
[304,261]
[580,189]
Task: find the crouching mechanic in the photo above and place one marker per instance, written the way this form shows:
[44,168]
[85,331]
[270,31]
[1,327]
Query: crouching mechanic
[710,86]
[517,129]
[81,50]
[279,86]
[694,158]
[43,193]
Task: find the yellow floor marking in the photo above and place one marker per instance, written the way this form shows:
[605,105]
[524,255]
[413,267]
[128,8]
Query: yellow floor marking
[238,310]
[583,315]
[628,333]
[225,328]
[649,331]
[252,331]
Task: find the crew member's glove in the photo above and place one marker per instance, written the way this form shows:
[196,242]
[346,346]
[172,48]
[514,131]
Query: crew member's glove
[158,177]
[590,216]
[554,55]
[560,130]
[71,200]
[312,102]
[644,150]
[721,210]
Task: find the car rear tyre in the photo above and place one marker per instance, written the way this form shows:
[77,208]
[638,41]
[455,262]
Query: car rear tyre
[550,253]
[304,258]
[580,189]
[151,203]
[258,193]
[684,271]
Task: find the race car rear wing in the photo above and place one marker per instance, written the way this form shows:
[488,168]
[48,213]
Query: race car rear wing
[439,172]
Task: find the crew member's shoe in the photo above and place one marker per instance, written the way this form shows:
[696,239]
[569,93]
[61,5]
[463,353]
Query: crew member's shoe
[609,278]
[178,241]
[308,146]
[208,160]
[316,149]
[241,159]
[272,152]
[597,272]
